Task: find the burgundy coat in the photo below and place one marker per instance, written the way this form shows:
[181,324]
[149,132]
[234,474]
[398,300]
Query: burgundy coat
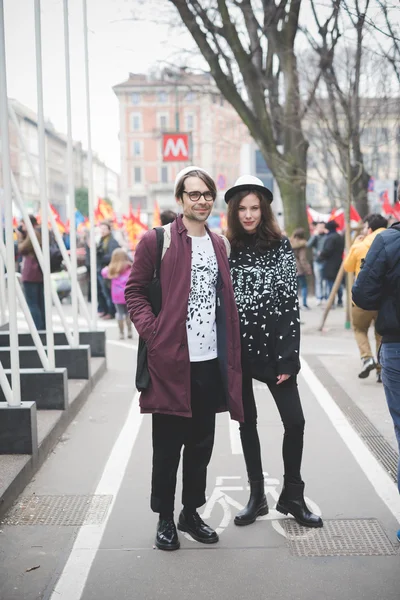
[166,338]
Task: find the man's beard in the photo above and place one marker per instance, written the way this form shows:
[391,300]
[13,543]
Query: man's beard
[197,217]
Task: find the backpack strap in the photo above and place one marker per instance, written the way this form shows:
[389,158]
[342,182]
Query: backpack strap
[160,248]
[167,239]
[227,245]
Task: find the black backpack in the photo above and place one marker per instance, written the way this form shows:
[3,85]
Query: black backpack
[154,295]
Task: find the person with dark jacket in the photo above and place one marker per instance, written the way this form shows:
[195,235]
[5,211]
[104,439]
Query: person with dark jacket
[263,270]
[105,248]
[377,287]
[316,242]
[332,257]
[32,276]
[193,354]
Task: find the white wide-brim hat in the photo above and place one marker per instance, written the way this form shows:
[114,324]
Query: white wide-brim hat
[184,172]
[249,183]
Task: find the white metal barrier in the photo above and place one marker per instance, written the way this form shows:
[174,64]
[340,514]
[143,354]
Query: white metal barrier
[82,304]
[13,399]
[7,258]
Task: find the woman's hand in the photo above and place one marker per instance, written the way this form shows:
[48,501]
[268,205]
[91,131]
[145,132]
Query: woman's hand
[282,378]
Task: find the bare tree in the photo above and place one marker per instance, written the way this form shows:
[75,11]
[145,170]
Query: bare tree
[250,50]
[354,91]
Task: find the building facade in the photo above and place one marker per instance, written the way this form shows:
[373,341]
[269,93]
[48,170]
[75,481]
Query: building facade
[151,105]
[106,181]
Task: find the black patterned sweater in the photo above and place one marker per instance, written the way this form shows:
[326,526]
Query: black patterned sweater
[265,286]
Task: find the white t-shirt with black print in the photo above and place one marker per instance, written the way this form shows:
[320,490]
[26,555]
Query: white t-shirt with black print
[201,324]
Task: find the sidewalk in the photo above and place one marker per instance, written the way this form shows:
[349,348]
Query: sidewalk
[335,350]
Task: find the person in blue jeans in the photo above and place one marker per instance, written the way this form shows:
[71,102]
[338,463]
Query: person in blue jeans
[316,242]
[378,288]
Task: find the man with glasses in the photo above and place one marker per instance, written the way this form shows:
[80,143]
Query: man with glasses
[193,354]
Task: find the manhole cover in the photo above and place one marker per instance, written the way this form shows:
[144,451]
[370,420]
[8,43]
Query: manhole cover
[58,510]
[342,537]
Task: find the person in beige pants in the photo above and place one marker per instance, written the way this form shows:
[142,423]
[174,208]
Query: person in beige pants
[363,319]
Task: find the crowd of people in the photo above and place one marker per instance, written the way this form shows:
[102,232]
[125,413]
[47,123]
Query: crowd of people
[327,255]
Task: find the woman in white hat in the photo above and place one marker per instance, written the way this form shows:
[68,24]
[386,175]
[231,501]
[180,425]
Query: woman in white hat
[263,272]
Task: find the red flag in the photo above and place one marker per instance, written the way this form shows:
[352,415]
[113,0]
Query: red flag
[134,228]
[338,216]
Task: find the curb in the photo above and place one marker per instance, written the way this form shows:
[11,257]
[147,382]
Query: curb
[23,467]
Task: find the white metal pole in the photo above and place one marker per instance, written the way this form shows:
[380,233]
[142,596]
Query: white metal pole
[39,256]
[2,273]
[71,183]
[57,234]
[15,399]
[93,260]
[5,386]
[43,191]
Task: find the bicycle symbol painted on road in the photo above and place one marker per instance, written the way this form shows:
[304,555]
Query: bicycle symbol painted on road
[223,496]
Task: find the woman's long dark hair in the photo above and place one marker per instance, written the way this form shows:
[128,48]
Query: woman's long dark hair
[268,232]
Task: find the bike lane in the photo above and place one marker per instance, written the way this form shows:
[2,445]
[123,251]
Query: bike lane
[358,502]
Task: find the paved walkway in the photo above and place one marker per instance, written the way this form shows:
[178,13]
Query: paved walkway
[104,460]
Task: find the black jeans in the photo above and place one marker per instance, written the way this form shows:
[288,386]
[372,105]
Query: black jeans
[287,399]
[195,434]
[34,295]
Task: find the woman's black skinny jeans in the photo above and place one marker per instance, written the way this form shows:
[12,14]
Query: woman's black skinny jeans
[288,402]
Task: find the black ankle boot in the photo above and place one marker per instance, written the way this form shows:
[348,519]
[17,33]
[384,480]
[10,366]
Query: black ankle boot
[192,523]
[167,536]
[256,506]
[292,501]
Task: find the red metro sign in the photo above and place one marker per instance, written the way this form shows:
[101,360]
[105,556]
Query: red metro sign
[175,147]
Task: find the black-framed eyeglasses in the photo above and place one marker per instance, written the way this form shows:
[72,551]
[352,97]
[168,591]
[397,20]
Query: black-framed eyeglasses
[195,196]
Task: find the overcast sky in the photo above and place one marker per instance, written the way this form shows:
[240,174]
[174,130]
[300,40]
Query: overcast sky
[116,46]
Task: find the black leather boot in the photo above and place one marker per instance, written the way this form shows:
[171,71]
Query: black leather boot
[192,523]
[256,506]
[292,501]
[167,536]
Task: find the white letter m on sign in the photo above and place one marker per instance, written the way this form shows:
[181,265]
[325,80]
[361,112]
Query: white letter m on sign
[176,148]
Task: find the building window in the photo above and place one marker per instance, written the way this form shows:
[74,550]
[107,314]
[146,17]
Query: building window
[136,122]
[189,122]
[135,98]
[137,174]
[164,174]
[163,122]
[162,97]
[190,97]
[137,148]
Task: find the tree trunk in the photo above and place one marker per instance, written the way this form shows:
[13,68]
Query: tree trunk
[294,207]
[360,191]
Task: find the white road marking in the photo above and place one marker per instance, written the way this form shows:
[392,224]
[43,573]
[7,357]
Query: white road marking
[380,480]
[71,584]
[234,435]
